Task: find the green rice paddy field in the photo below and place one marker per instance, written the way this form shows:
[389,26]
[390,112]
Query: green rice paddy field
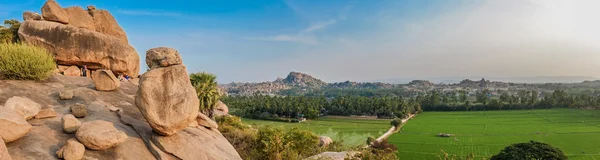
[575,132]
[352,131]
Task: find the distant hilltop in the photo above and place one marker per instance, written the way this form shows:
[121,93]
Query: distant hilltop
[296,82]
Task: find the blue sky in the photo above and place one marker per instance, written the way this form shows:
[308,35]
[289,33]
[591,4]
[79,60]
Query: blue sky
[360,40]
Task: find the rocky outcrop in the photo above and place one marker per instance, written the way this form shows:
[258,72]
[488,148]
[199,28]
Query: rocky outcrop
[23,106]
[51,11]
[100,135]
[70,123]
[74,46]
[105,80]
[47,135]
[73,150]
[162,57]
[105,23]
[13,125]
[46,113]
[79,110]
[302,80]
[4,155]
[221,109]
[167,99]
[27,16]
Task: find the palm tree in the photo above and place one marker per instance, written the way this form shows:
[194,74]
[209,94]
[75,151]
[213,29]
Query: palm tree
[207,89]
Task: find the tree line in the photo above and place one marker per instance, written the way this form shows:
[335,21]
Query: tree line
[273,107]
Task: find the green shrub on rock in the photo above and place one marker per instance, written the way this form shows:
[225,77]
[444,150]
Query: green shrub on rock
[25,62]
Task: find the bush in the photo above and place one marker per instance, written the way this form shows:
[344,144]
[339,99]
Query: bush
[25,62]
[530,150]
[396,122]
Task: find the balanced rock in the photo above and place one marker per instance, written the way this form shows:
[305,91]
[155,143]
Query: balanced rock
[167,99]
[105,80]
[23,106]
[4,155]
[70,123]
[51,11]
[324,141]
[72,71]
[46,113]
[79,17]
[72,45]
[73,150]
[100,135]
[31,16]
[79,110]
[13,125]
[205,121]
[162,57]
[65,95]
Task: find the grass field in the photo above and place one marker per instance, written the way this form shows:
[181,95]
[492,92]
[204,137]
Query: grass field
[575,132]
[352,131]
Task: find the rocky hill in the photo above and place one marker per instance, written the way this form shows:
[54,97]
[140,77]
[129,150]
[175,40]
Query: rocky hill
[301,80]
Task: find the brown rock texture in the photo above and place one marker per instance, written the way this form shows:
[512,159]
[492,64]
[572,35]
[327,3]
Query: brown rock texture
[105,80]
[79,110]
[65,95]
[51,11]
[13,125]
[162,57]
[73,150]
[221,109]
[167,99]
[46,113]
[23,106]
[72,71]
[27,16]
[70,123]
[100,135]
[74,46]
[4,155]
[105,23]
[205,121]
[80,18]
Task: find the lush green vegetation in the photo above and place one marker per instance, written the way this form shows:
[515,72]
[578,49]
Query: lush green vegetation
[530,150]
[8,31]
[352,131]
[272,108]
[485,133]
[24,62]
[207,90]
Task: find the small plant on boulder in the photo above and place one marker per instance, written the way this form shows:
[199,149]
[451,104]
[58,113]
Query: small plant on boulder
[25,62]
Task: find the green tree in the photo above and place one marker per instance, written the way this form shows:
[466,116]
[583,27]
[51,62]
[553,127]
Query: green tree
[9,31]
[528,151]
[483,96]
[207,90]
[462,96]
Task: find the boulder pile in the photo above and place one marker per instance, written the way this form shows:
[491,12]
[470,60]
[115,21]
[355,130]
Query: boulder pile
[79,37]
[165,95]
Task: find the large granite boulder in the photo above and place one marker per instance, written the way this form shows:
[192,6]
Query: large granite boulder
[100,135]
[162,57]
[72,71]
[199,143]
[105,80]
[51,11]
[31,16]
[23,106]
[73,150]
[72,45]
[13,125]
[105,23]
[167,99]
[79,17]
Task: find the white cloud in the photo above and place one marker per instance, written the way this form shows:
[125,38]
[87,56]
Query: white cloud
[149,13]
[320,25]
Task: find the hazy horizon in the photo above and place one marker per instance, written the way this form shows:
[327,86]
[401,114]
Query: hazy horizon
[361,40]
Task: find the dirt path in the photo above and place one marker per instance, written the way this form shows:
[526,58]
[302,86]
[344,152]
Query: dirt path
[393,129]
